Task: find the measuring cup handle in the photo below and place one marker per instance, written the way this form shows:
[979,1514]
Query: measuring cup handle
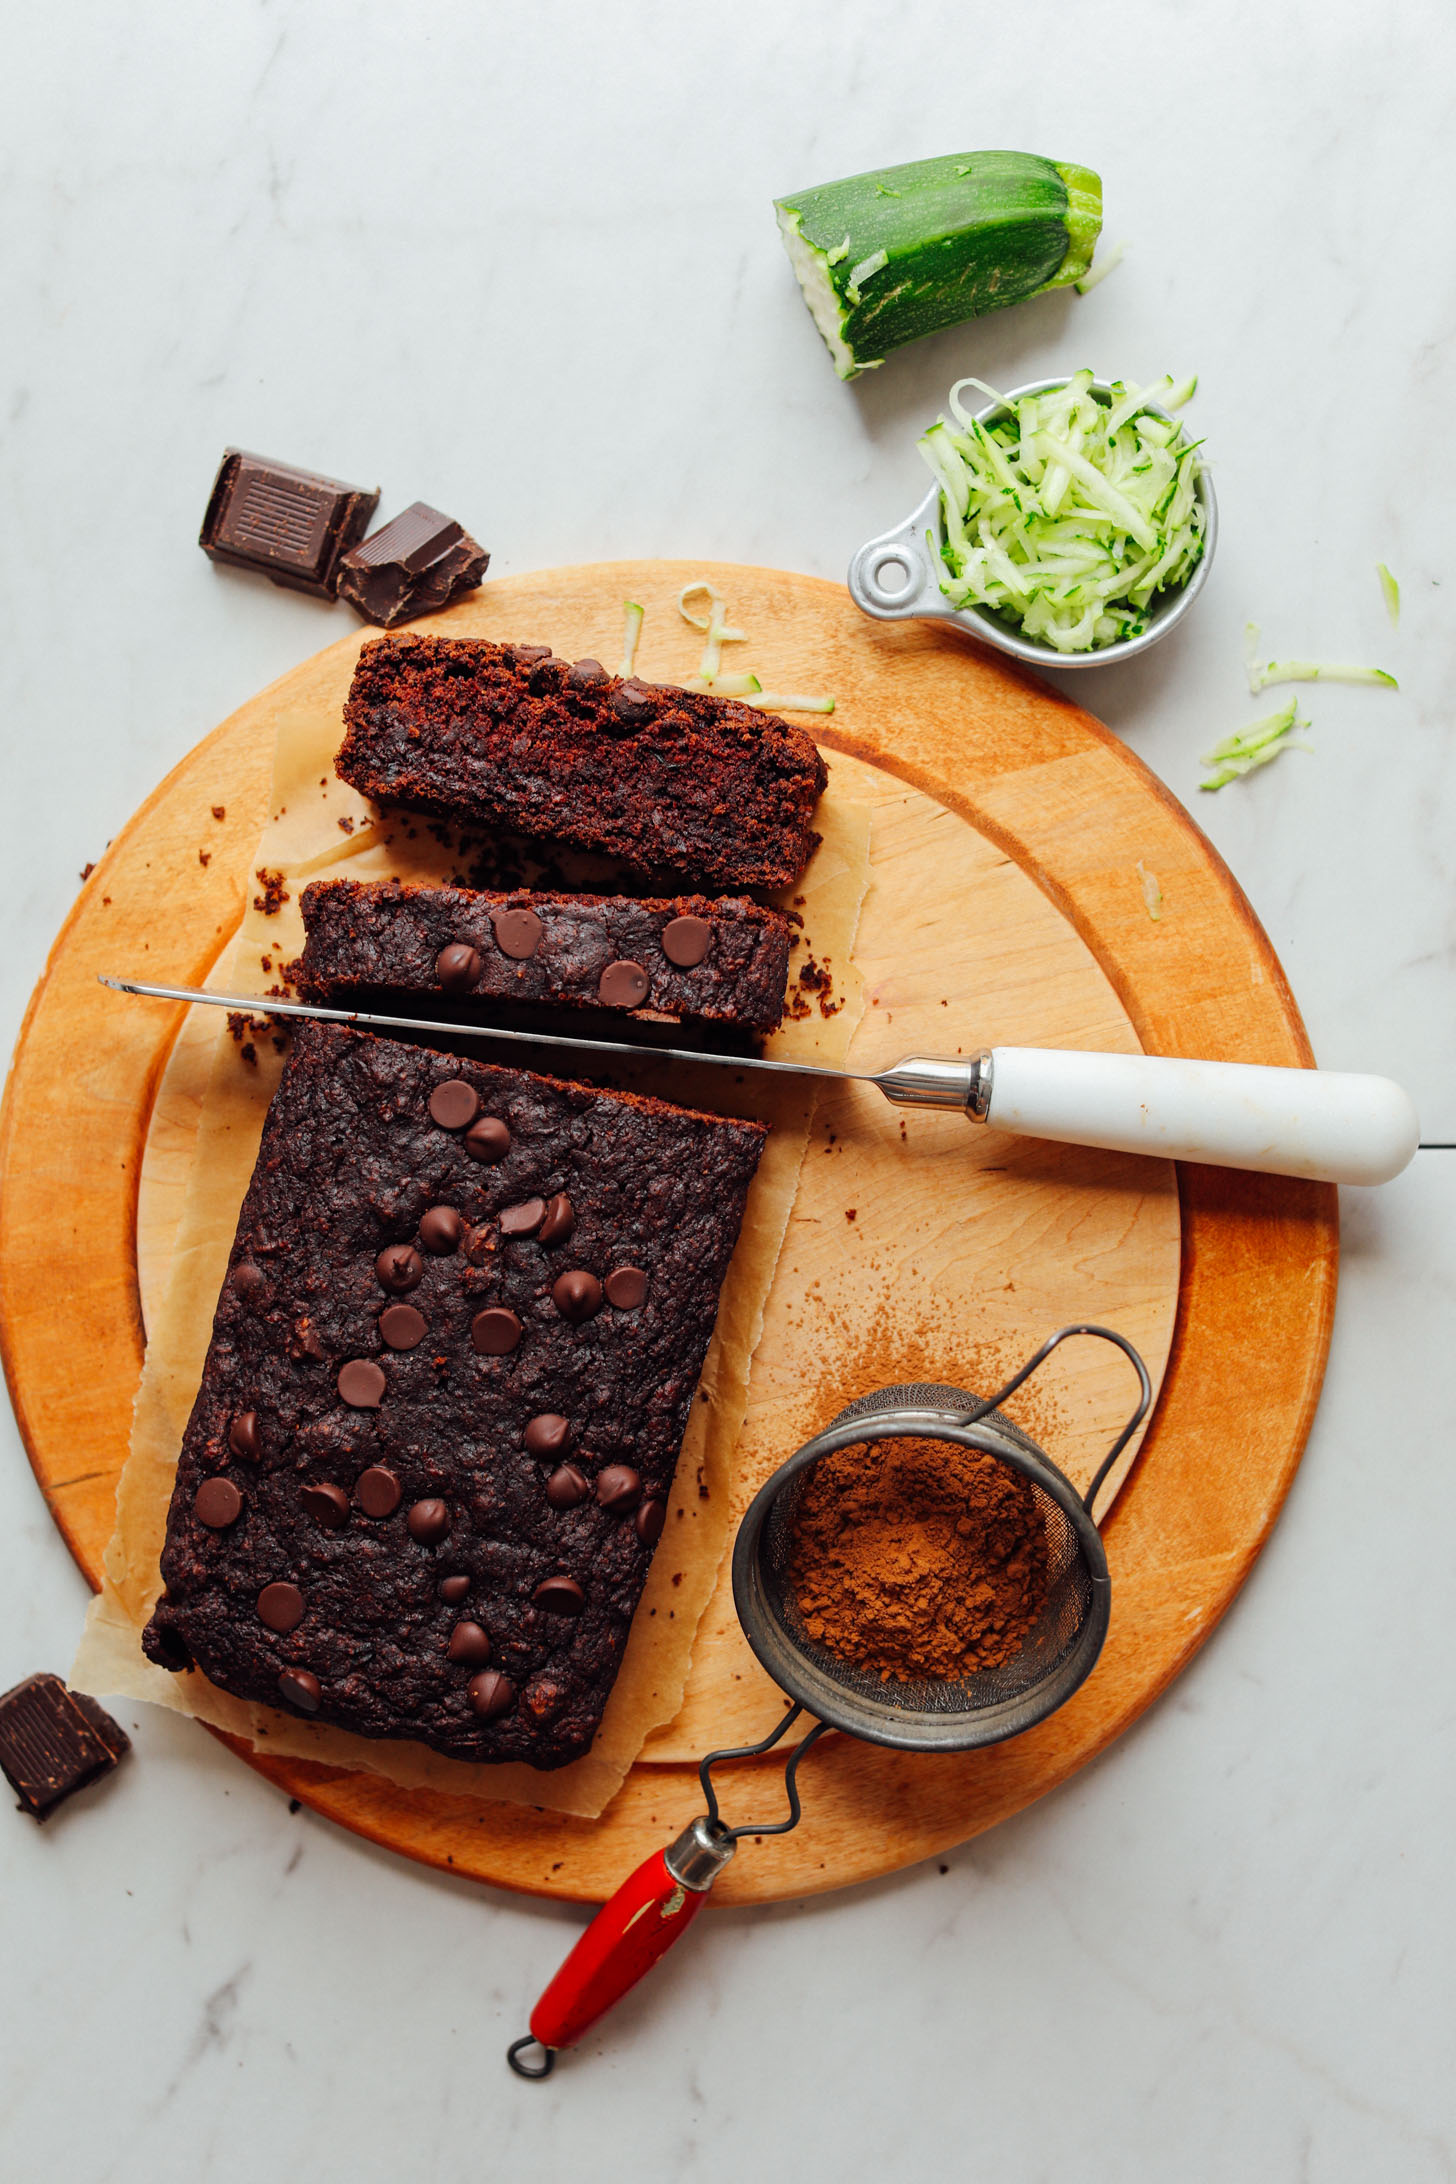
[653,1908]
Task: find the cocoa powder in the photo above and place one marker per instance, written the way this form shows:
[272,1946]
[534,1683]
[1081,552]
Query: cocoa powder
[918,1558]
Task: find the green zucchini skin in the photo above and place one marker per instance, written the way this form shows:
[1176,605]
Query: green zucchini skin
[945,240]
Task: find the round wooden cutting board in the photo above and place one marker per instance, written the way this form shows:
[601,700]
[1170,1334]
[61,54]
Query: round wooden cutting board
[1009,828]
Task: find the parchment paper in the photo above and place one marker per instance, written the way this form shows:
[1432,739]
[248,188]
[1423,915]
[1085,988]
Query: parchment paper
[303,841]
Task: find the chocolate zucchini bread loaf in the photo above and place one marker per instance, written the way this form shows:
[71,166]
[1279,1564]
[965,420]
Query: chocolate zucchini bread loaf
[506,735]
[721,959]
[450,1372]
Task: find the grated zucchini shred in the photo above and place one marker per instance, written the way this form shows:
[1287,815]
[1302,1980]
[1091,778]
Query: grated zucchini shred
[1390,593]
[1069,514]
[1108,262]
[1286,671]
[631,637]
[1257,745]
[1152,891]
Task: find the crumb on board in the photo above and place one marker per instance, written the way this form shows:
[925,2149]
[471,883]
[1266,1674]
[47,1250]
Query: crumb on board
[346,824]
[87,870]
[274,894]
[204,858]
[219,811]
[851,1213]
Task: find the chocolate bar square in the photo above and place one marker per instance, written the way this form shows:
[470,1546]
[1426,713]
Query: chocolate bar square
[292,526]
[54,1741]
[414,564]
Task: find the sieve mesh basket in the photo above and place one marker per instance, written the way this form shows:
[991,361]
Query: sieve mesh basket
[982,1706]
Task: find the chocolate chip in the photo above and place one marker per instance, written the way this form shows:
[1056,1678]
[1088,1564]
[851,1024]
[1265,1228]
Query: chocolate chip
[361,1383]
[249,1282]
[524,1219]
[495,1331]
[685,941]
[632,701]
[401,1326]
[566,1487]
[454,1103]
[560,1220]
[517,933]
[457,967]
[327,1505]
[561,1595]
[301,1689]
[626,1288]
[244,1438]
[452,1590]
[577,1294]
[623,985]
[546,1435]
[649,1521]
[488,1139]
[399,1267]
[528,655]
[618,1489]
[377,1491]
[490,1693]
[217,1504]
[428,1521]
[441,1230]
[280,1607]
[582,672]
[469,1644]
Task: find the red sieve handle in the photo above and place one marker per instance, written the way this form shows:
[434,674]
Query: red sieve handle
[651,1910]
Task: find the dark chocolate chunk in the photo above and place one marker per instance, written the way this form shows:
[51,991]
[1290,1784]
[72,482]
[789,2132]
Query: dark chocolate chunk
[626,1288]
[458,966]
[291,525]
[623,985]
[531,655]
[429,1521]
[402,1327]
[649,1521]
[454,1104]
[469,1644]
[632,701]
[361,1383]
[400,1267]
[377,1491]
[559,1222]
[685,941]
[280,1606]
[441,1230]
[517,932]
[524,1219]
[414,564]
[561,1595]
[301,1688]
[217,1504]
[547,1434]
[453,1590]
[495,1331]
[488,1140]
[244,1438]
[53,1742]
[583,672]
[490,1693]
[327,1505]
[566,1487]
[249,1282]
[618,1489]
[577,1294]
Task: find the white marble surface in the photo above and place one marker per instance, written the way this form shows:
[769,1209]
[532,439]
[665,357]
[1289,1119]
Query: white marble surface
[521,262]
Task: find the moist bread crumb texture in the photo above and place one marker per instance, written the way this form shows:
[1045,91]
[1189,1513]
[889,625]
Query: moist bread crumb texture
[449,1376]
[718,959]
[507,735]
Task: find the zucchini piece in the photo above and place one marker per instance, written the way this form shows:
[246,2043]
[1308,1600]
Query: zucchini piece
[884,258]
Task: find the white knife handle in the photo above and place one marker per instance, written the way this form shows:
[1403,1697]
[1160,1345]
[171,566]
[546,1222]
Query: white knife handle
[1319,1124]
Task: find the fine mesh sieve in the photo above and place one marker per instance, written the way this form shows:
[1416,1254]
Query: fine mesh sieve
[983,1706]
[657,1903]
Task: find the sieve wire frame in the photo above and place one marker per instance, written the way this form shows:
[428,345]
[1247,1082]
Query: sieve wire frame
[909,1718]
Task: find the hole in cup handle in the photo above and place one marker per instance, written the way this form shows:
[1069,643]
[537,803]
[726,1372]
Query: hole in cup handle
[891,577]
